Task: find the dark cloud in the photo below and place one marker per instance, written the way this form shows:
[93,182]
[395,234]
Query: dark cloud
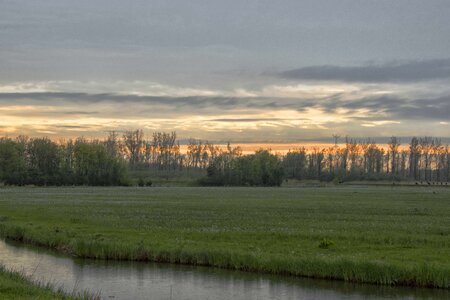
[79,112]
[74,126]
[198,102]
[420,109]
[247,119]
[393,72]
[391,107]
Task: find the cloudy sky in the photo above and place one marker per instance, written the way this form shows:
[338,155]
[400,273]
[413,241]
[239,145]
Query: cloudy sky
[261,71]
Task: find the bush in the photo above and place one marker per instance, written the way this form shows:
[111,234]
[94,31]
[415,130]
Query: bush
[326,243]
[259,169]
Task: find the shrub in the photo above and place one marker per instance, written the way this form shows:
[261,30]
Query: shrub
[326,243]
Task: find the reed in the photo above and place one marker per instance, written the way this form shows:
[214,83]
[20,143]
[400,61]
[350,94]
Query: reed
[16,285]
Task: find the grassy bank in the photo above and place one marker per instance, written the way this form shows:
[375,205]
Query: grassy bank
[383,235]
[16,286]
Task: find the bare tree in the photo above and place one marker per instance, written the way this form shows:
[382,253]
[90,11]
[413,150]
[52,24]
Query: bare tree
[112,143]
[393,145]
[414,158]
[426,145]
[133,142]
[336,138]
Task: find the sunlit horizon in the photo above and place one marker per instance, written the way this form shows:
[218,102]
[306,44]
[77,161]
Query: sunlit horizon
[259,73]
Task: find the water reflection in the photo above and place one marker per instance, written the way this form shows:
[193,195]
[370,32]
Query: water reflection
[134,280]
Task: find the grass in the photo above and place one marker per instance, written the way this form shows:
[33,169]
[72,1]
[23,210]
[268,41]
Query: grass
[161,178]
[14,285]
[382,235]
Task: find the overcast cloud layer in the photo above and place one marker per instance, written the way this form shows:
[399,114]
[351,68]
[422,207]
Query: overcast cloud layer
[390,72]
[233,70]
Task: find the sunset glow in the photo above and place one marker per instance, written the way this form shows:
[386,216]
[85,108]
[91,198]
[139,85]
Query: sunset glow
[215,80]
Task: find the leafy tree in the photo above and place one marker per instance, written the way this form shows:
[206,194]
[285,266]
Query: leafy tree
[259,169]
[12,162]
[294,163]
[94,165]
[44,157]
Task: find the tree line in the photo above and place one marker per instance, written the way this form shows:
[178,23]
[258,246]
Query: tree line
[41,161]
[424,159]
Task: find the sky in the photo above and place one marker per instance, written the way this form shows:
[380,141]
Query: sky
[239,71]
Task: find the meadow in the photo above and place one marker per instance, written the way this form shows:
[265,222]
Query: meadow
[382,235]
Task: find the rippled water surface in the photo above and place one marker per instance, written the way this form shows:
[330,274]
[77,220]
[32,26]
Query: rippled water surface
[137,280]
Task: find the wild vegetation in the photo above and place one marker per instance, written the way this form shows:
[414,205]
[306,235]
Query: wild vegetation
[14,285]
[41,161]
[382,235]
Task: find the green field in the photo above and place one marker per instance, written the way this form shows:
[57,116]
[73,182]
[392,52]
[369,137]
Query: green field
[384,235]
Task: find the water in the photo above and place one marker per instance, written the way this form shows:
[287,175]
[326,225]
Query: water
[137,280]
